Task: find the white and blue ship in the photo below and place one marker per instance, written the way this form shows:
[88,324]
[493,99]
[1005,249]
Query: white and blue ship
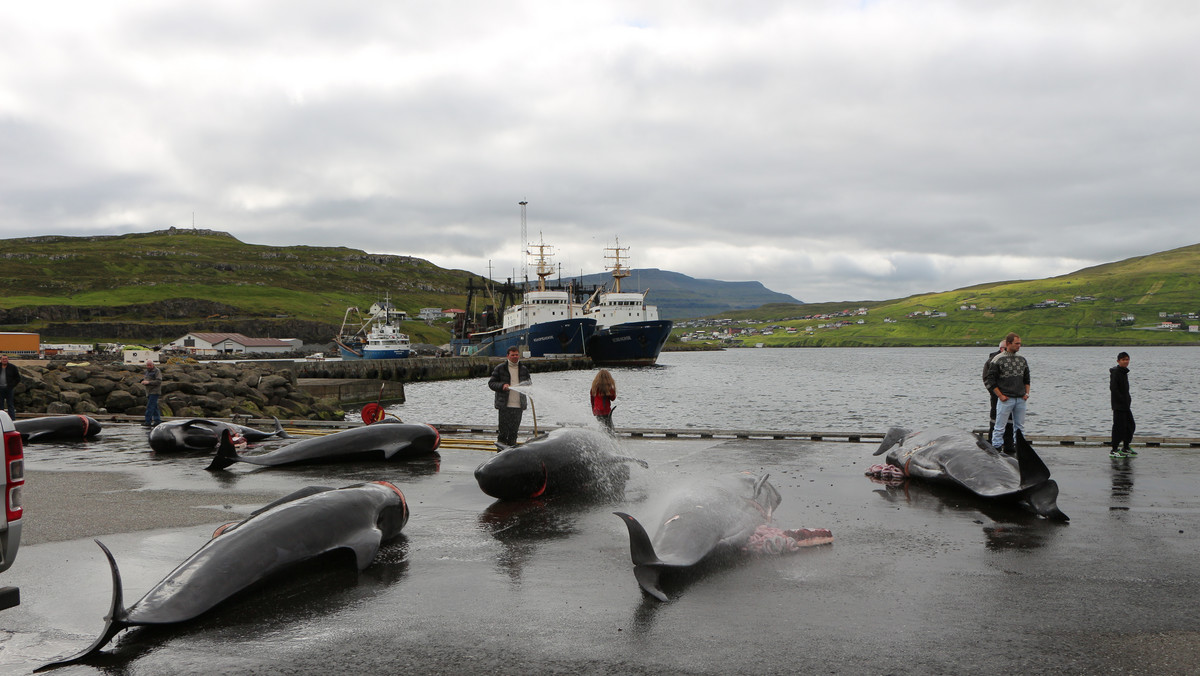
[628,331]
[547,322]
[379,337]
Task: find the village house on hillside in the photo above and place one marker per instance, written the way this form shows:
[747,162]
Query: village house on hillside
[231,343]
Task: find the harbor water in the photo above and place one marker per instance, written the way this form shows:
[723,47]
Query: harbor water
[845,389]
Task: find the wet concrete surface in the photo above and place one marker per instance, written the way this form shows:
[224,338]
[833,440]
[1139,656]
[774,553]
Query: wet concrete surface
[918,581]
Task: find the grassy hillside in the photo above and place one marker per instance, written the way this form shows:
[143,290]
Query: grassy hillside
[1089,308]
[179,276]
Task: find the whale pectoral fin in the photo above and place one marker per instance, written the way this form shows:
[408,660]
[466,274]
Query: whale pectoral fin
[226,453]
[894,436]
[403,445]
[365,545]
[114,622]
[279,431]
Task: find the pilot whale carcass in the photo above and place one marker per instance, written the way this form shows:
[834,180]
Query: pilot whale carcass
[726,515]
[57,428]
[959,458]
[567,460]
[297,528]
[200,434]
[386,439]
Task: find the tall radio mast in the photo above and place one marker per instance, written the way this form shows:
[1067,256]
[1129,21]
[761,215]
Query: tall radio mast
[524,244]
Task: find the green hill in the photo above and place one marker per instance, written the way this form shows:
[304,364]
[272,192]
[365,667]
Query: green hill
[1089,307]
[159,285]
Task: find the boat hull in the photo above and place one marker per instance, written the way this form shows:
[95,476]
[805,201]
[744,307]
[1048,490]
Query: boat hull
[561,338]
[629,344]
[352,352]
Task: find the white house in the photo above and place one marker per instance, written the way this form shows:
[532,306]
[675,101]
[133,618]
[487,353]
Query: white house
[139,355]
[232,343]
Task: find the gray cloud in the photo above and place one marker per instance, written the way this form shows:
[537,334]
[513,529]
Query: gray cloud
[833,151]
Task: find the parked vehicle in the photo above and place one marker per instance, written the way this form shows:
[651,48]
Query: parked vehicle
[10,526]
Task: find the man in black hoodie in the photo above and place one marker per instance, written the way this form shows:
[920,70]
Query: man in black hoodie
[1123,425]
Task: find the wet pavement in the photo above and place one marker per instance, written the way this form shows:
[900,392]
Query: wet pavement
[918,581]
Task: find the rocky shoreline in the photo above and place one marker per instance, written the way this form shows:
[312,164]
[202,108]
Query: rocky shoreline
[197,390]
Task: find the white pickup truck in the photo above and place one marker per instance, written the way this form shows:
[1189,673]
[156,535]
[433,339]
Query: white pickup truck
[10,525]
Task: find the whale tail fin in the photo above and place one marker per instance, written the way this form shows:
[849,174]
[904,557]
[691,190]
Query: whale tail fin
[893,437]
[1033,470]
[226,453]
[1043,499]
[1037,488]
[279,431]
[114,622]
[646,565]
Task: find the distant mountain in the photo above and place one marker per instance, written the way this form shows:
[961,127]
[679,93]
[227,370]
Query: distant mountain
[681,297]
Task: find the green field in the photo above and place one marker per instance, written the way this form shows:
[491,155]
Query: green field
[1088,310]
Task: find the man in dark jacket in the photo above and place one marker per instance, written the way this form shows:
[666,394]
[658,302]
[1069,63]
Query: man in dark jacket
[10,376]
[1008,429]
[1123,425]
[509,404]
[153,382]
[1008,379]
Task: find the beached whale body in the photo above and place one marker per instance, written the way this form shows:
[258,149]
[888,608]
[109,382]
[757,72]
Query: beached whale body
[200,434]
[959,458]
[57,428]
[385,439]
[302,526]
[567,460]
[725,515]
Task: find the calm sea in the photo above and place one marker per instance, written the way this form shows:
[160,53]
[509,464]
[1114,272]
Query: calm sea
[845,389]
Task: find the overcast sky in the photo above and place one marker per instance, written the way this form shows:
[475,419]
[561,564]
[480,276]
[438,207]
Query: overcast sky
[831,150]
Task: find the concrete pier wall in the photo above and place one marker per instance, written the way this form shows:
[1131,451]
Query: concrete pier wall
[417,369]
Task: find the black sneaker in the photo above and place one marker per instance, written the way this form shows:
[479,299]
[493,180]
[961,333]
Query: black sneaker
[1129,451]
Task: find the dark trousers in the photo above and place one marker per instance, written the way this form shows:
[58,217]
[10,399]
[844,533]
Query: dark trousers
[153,417]
[1123,427]
[510,423]
[1009,446]
[9,404]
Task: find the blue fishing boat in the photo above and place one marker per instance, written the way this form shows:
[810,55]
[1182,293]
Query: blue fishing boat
[628,331]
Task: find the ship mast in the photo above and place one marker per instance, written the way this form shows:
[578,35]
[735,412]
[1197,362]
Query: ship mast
[619,272]
[544,268]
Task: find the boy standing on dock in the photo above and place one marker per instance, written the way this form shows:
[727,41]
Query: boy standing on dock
[509,403]
[1123,424]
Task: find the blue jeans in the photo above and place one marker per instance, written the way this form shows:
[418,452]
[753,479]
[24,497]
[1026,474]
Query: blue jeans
[152,415]
[1015,407]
